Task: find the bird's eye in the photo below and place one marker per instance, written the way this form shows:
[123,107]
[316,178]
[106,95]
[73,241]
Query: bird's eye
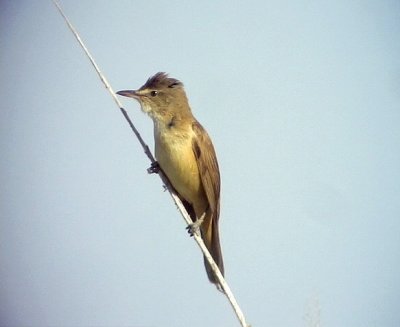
[153,93]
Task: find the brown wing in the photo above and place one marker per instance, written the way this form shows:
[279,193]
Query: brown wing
[208,167]
[210,179]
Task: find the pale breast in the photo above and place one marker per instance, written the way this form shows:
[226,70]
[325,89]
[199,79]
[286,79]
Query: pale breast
[174,153]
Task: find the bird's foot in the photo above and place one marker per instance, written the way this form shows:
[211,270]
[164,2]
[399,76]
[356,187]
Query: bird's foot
[219,288]
[154,168]
[194,228]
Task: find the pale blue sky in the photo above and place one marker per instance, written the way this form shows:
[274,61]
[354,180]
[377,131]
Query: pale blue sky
[302,101]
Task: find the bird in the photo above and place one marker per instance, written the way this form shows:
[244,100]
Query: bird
[186,155]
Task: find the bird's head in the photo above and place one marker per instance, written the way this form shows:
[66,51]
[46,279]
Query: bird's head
[161,95]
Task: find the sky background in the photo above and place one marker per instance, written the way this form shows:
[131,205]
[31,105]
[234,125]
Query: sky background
[302,101]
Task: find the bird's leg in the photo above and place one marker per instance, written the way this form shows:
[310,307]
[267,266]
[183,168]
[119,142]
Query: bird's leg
[194,227]
[154,168]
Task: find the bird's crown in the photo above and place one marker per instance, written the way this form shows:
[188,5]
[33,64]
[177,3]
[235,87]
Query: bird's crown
[161,80]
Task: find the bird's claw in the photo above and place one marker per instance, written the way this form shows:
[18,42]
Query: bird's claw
[194,228]
[154,168]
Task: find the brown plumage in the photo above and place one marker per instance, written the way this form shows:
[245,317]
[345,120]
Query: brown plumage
[186,155]
[161,80]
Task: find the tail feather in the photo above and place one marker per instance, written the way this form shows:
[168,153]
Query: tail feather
[210,234]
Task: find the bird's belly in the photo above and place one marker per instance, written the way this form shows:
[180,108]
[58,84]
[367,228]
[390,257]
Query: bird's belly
[177,160]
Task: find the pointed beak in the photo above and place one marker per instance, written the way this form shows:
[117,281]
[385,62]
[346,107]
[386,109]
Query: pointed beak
[129,93]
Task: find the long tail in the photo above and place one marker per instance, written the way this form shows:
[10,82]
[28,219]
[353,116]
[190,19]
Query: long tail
[210,234]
